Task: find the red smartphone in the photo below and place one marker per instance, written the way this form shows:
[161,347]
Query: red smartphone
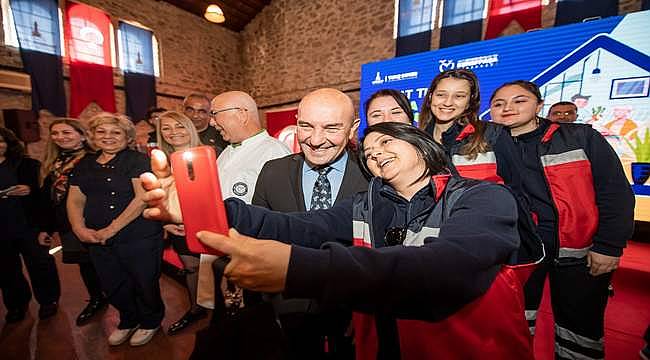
[199,193]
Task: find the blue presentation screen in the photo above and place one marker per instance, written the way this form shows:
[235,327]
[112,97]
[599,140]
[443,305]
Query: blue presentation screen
[606,62]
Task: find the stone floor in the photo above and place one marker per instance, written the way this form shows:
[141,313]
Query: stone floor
[58,338]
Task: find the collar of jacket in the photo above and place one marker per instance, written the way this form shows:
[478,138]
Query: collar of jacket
[552,128]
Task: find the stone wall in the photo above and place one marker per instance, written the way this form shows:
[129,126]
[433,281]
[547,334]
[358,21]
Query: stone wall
[195,55]
[295,46]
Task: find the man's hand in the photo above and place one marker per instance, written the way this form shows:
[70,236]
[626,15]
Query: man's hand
[601,264]
[19,190]
[259,265]
[160,192]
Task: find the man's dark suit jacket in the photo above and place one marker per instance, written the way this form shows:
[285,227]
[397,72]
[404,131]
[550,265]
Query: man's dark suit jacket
[279,184]
[279,188]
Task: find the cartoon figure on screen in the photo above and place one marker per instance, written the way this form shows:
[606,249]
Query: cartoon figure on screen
[582,103]
[621,123]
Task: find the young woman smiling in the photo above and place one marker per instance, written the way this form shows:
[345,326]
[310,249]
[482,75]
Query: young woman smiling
[585,208]
[479,149]
[388,105]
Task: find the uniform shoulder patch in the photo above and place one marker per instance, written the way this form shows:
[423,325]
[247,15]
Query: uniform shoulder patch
[240,188]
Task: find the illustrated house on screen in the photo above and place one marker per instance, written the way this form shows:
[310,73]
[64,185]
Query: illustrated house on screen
[601,75]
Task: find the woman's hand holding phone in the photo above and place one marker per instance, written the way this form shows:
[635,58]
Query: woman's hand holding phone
[160,193]
[192,196]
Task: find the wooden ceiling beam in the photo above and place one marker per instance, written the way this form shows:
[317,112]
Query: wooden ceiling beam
[258,5]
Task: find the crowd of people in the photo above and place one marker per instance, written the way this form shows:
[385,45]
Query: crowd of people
[431,241]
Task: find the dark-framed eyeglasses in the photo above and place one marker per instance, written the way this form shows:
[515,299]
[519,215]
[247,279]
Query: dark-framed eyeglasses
[214,113]
[395,236]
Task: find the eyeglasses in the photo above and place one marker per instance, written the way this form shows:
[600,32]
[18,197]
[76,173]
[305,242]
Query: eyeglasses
[214,113]
[395,236]
[563,113]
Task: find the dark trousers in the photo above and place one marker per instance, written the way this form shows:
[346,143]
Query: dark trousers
[14,286]
[91,280]
[578,300]
[40,267]
[130,274]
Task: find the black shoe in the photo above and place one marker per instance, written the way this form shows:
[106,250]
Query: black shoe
[15,314]
[186,320]
[47,310]
[93,307]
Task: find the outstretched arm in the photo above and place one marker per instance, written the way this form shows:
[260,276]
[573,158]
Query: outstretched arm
[428,282]
[310,229]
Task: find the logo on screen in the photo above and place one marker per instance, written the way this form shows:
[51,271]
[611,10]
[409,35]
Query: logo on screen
[378,80]
[469,63]
[446,65]
[394,77]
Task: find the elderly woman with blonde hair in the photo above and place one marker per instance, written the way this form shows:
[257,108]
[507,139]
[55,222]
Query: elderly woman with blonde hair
[105,211]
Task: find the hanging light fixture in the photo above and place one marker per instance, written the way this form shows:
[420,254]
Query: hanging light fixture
[214,14]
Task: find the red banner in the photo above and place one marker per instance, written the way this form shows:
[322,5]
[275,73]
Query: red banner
[282,125]
[528,13]
[88,40]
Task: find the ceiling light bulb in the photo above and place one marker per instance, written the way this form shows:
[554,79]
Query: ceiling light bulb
[214,14]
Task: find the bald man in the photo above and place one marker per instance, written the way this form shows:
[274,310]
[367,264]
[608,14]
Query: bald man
[237,120]
[326,125]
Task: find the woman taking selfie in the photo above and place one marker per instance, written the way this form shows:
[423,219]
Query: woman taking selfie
[66,146]
[430,252]
[105,211]
[585,208]
[176,132]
